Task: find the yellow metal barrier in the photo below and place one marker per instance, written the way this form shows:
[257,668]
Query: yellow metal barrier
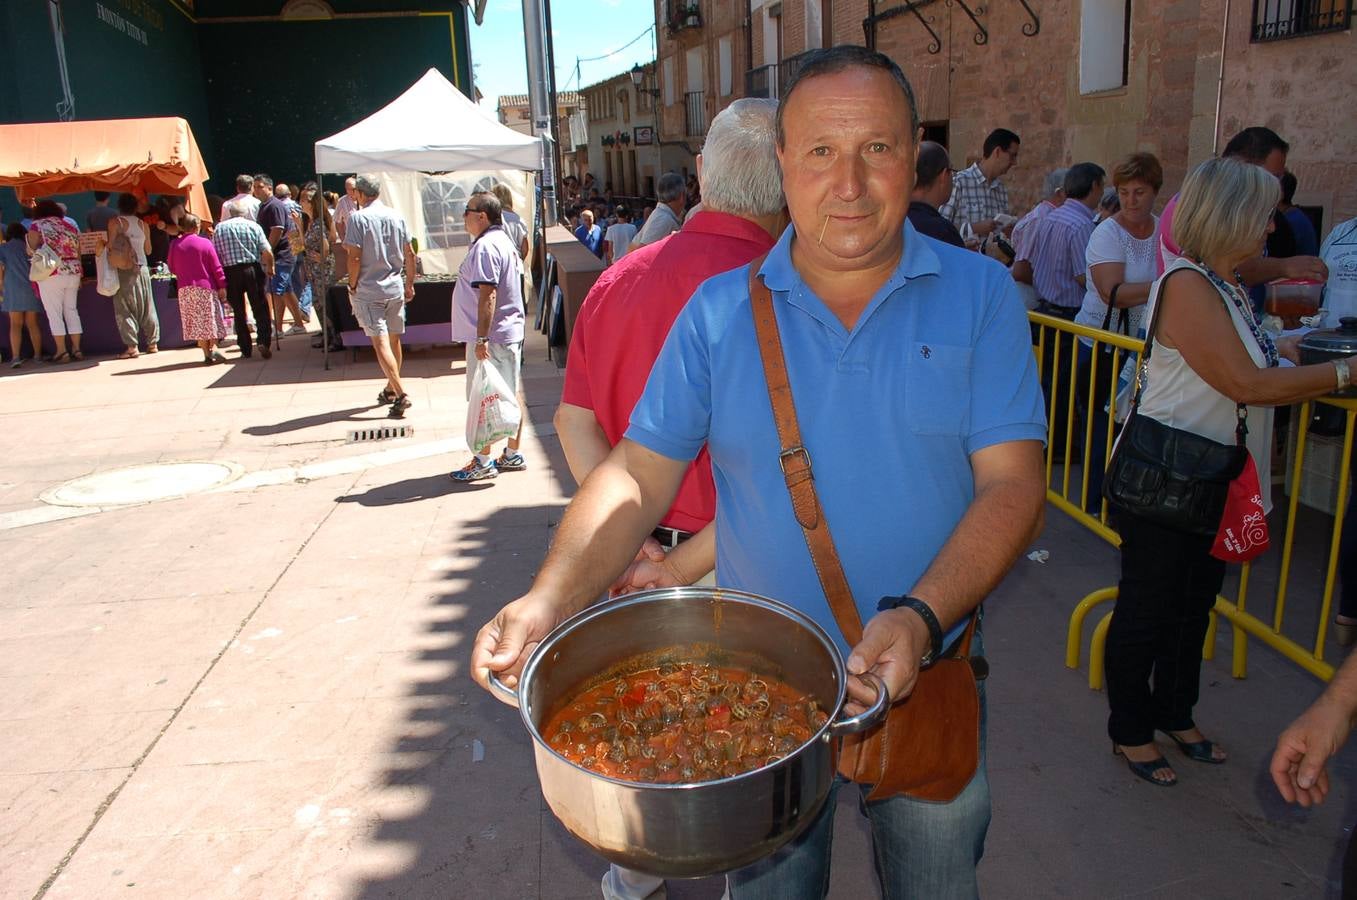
[1056,344]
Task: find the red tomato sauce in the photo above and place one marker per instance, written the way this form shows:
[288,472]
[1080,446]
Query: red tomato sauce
[683,723]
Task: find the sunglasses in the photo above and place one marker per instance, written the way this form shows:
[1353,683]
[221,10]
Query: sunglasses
[468,211]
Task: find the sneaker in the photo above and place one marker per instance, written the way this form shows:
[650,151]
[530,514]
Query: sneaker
[386,396]
[16,364]
[474,471]
[510,461]
[296,329]
[399,406]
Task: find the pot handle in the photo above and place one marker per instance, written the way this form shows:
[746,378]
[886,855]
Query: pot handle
[502,692]
[865,719]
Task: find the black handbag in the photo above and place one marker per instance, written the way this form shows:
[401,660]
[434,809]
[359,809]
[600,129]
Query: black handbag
[1171,477]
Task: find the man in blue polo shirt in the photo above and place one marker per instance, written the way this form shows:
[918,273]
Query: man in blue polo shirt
[916,348]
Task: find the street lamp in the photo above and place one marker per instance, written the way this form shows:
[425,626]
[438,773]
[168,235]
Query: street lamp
[638,75]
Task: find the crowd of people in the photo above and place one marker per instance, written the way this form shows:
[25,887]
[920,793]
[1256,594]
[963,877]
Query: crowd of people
[260,257]
[664,422]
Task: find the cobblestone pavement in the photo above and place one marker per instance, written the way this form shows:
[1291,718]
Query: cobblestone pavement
[259,689]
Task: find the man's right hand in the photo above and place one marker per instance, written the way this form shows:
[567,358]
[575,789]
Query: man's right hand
[503,644]
[1306,268]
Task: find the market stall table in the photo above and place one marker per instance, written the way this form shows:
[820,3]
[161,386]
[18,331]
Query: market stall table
[99,330]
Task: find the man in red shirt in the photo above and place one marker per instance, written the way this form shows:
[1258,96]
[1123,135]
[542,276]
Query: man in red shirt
[624,322]
[627,315]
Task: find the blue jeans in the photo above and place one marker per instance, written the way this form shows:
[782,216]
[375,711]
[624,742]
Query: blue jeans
[921,849]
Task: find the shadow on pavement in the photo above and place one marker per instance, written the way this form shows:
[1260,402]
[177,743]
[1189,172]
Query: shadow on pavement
[339,415]
[411,490]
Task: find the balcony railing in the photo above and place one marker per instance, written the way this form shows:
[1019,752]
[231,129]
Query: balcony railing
[1275,20]
[762,82]
[695,112]
[788,69]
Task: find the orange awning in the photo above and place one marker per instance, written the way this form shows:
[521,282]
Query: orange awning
[144,156]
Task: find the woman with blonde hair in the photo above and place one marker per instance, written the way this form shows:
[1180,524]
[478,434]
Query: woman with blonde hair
[1208,361]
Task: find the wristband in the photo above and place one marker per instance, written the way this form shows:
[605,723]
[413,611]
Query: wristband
[926,613]
[482,340]
[1343,373]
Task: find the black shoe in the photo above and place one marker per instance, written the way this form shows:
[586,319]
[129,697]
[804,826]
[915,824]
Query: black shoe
[266,351]
[398,407]
[386,396]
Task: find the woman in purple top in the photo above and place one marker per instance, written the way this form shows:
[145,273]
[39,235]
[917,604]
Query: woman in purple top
[202,288]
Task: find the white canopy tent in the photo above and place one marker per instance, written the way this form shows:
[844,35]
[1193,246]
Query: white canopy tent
[432,148]
[432,127]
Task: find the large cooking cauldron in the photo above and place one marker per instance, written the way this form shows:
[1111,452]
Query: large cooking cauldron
[1335,343]
[688,830]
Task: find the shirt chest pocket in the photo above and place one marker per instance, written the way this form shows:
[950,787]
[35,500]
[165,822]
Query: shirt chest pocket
[938,388]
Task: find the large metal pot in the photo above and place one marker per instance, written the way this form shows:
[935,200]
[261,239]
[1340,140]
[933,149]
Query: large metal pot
[1331,344]
[688,830]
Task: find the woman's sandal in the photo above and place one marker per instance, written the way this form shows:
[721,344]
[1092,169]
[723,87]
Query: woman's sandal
[77,355]
[1202,751]
[1147,769]
[129,354]
[62,357]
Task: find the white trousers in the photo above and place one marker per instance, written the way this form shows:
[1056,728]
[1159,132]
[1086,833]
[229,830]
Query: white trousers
[58,294]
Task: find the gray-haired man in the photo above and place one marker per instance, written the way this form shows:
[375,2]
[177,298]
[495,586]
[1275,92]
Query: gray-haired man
[245,257]
[668,215]
[381,269]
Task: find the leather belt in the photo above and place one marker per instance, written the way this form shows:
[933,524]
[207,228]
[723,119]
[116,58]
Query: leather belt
[670,538]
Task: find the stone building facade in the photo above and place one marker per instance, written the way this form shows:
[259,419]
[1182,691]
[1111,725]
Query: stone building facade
[623,148]
[1077,79]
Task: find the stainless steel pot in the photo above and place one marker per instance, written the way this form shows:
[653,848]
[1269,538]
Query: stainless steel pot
[688,830]
[1331,344]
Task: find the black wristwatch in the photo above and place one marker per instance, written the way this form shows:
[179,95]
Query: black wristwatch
[926,613]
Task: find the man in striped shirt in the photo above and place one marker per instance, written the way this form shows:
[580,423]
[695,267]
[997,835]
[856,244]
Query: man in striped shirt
[245,257]
[979,198]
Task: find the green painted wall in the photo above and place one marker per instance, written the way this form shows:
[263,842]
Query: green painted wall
[308,80]
[257,94]
[125,59]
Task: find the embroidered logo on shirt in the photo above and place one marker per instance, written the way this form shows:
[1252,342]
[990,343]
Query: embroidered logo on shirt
[925,351]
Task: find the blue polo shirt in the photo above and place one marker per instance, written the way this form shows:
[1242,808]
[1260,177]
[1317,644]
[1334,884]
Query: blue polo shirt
[938,366]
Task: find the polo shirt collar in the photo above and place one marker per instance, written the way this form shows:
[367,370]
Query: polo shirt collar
[917,260]
[726,225]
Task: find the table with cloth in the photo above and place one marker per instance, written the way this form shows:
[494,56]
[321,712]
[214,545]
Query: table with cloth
[99,330]
[428,317]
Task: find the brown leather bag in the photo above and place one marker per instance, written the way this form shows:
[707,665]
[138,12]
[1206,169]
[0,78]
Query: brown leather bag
[929,745]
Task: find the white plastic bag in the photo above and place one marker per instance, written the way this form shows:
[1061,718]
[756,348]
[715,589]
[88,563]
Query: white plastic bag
[492,413]
[106,281]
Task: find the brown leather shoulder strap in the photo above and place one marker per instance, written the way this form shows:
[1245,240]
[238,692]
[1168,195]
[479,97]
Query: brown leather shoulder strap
[796,470]
[795,462]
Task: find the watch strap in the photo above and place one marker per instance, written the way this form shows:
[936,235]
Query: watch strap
[926,613]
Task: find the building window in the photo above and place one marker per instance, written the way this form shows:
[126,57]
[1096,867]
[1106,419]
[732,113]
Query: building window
[724,59]
[815,25]
[1104,45]
[1275,20]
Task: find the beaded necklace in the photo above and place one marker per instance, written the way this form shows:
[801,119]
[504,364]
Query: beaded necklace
[1241,303]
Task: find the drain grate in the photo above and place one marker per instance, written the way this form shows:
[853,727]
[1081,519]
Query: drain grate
[381,433]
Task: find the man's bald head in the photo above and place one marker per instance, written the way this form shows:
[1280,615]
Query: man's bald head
[282,191]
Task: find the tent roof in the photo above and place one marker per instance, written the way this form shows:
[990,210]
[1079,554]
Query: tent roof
[432,127]
[154,156]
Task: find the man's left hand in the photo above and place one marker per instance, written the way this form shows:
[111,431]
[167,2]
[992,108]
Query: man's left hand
[483,352]
[409,292]
[892,645]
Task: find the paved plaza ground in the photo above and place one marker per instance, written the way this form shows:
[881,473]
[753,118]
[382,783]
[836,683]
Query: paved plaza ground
[260,690]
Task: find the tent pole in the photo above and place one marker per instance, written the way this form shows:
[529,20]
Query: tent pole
[325,288]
